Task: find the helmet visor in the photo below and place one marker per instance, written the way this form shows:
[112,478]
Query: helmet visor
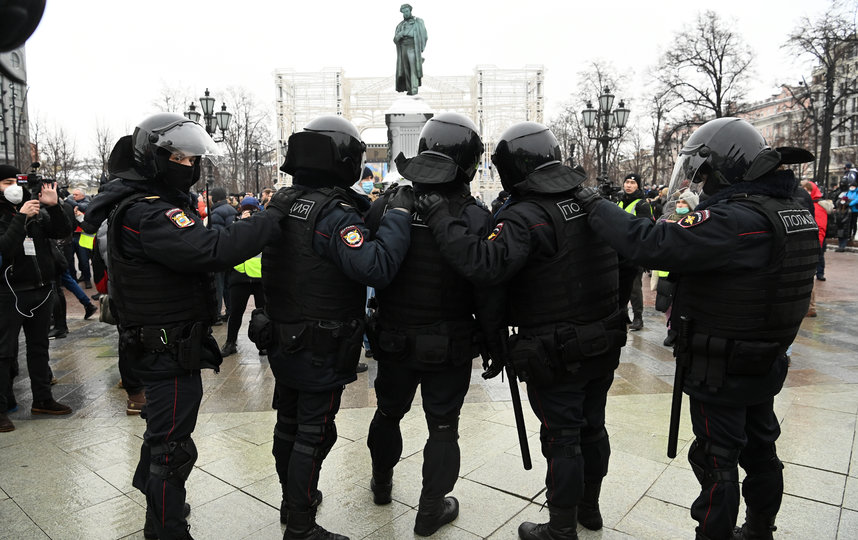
[185,138]
[688,175]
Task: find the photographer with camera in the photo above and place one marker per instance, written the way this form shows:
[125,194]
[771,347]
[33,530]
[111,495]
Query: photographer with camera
[26,273]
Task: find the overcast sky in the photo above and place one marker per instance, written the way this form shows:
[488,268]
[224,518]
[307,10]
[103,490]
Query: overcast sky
[106,60]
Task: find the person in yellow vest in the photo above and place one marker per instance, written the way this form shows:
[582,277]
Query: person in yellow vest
[633,202]
[244,279]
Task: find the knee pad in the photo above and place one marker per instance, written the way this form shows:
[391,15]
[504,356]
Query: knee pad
[285,429]
[703,455]
[560,443]
[173,461]
[443,429]
[323,435]
[385,420]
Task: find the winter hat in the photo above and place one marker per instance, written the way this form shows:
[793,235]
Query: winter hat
[248,203]
[218,194]
[636,177]
[8,171]
[690,198]
[367,173]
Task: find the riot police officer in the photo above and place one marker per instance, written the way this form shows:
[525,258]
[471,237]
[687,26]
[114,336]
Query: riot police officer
[425,324]
[561,288]
[160,256]
[312,324]
[745,261]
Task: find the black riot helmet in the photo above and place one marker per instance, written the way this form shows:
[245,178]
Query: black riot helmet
[527,158]
[144,155]
[329,147]
[449,149]
[723,152]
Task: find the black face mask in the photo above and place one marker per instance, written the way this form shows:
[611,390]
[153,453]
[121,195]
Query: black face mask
[178,176]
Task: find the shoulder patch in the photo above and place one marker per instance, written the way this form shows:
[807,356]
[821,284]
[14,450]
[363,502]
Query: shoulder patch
[301,209]
[694,219]
[571,209]
[351,236]
[496,231]
[179,218]
[797,220]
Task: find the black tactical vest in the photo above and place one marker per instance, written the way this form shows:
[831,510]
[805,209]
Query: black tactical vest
[577,284]
[766,305]
[301,284]
[144,292]
[426,289]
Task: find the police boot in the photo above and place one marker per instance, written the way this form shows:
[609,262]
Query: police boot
[284,507]
[432,514]
[588,507]
[303,526]
[381,486]
[562,525]
[637,322]
[149,530]
[756,527]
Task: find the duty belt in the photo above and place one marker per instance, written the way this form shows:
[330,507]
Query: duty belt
[159,339]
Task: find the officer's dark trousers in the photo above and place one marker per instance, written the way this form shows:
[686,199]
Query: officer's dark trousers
[727,436]
[239,293]
[168,454]
[443,393]
[304,434]
[573,436]
[39,303]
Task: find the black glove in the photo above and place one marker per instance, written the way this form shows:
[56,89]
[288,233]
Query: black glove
[282,201]
[587,196]
[494,367]
[403,197]
[428,204]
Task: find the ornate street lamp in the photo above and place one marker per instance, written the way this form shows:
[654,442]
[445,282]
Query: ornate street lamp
[603,126]
[212,122]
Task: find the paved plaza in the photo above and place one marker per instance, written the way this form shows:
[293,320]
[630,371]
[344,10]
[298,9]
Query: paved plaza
[70,478]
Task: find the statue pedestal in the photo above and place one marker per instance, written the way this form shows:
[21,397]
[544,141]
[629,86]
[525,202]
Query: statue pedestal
[405,118]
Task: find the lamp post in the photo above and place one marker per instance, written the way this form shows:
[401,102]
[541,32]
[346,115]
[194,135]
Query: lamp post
[212,121]
[603,126]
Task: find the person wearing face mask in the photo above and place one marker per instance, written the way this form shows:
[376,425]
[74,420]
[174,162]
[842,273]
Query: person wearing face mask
[744,261]
[661,282]
[852,198]
[160,257]
[27,223]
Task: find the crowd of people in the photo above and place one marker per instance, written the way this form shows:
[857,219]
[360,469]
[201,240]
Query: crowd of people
[424,278]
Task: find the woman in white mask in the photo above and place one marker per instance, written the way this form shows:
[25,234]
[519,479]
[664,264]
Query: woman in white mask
[26,271]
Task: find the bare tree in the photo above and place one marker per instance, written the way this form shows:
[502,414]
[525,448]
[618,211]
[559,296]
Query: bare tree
[662,101]
[104,141]
[59,155]
[247,141]
[830,40]
[708,66]
[173,99]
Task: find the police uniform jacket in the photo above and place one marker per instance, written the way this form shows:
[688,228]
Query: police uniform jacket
[744,261]
[426,315]
[21,271]
[560,279]
[160,255]
[315,279]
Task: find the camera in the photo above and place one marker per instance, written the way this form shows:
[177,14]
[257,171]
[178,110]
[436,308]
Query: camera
[32,181]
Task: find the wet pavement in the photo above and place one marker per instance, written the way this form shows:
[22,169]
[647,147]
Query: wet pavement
[70,477]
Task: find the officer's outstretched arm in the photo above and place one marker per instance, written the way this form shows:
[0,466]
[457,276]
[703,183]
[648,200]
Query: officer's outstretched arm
[343,237]
[701,241]
[184,244]
[485,260]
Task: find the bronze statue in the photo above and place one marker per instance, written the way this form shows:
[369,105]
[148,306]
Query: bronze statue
[410,39]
